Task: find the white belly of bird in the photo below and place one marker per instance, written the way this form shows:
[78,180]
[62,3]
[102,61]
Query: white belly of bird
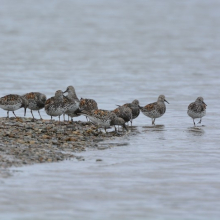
[33,106]
[11,107]
[193,114]
[99,122]
[71,109]
[153,114]
[55,112]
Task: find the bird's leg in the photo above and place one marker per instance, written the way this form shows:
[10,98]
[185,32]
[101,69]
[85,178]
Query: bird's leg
[153,122]
[63,117]
[200,121]
[32,114]
[59,120]
[39,114]
[14,114]
[116,131]
[106,131]
[7,114]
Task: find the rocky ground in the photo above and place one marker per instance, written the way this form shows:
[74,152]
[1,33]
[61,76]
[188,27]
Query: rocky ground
[23,141]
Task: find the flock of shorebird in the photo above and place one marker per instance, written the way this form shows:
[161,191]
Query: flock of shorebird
[73,107]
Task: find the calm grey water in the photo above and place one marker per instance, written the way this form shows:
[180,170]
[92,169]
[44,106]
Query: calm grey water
[115,52]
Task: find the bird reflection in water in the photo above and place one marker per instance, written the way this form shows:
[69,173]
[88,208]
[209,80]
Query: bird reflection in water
[195,131]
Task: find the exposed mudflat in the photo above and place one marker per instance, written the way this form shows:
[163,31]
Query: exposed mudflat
[24,141]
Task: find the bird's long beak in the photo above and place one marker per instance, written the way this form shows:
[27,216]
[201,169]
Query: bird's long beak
[204,103]
[25,111]
[166,101]
[65,91]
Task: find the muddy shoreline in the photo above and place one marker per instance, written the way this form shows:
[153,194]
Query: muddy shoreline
[26,142]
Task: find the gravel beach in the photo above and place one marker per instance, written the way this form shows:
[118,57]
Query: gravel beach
[24,142]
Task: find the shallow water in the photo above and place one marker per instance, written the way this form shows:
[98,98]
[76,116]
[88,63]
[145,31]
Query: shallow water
[116,52]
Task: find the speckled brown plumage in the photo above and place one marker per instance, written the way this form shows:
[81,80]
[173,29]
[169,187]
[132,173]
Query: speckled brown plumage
[156,109]
[104,118]
[124,112]
[88,104]
[13,102]
[36,101]
[197,109]
[134,106]
[54,106]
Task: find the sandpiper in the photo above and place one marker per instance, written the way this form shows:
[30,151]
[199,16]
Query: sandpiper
[88,105]
[71,102]
[13,102]
[36,101]
[134,106]
[54,106]
[156,109]
[104,118]
[124,112]
[197,109]
[118,121]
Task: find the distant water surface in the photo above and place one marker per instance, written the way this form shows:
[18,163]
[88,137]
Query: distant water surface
[115,52]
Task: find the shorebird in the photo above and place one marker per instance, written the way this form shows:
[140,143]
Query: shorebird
[71,102]
[104,118]
[54,106]
[197,109]
[156,109]
[134,106]
[88,105]
[36,101]
[124,112]
[13,102]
